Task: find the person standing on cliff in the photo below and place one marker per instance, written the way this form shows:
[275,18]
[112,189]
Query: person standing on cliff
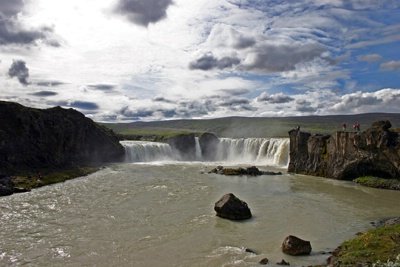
[344,126]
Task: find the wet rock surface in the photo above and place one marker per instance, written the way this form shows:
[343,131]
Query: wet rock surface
[295,246]
[250,171]
[232,208]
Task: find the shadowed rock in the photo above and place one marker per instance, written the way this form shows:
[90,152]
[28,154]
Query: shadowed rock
[185,145]
[295,246]
[232,208]
[209,146]
[55,138]
[347,155]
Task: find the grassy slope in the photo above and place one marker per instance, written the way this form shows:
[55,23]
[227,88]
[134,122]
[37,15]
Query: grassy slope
[252,127]
[381,244]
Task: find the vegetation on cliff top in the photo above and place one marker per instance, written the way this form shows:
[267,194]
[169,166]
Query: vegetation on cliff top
[371,181]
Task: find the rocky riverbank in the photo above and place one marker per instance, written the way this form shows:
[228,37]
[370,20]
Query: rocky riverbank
[51,144]
[347,155]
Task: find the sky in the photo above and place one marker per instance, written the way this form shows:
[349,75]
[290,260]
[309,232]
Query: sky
[131,60]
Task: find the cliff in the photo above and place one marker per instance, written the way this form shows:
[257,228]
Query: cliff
[52,139]
[347,155]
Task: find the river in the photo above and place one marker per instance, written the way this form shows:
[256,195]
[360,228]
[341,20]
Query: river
[160,213]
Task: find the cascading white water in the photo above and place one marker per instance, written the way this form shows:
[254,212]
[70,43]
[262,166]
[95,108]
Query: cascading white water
[198,149]
[142,151]
[259,151]
[265,151]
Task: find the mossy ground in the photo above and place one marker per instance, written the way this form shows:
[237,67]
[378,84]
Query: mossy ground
[380,244]
[38,179]
[370,181]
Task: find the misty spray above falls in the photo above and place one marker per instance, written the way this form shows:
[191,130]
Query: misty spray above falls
[262,151]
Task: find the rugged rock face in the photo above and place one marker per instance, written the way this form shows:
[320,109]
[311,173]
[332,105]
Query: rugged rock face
[185,144]
[295,246]
[231,207]
[209,145]
[55,138]
[347,155]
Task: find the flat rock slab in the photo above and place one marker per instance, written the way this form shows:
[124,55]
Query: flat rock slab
[232,208]
[250,171]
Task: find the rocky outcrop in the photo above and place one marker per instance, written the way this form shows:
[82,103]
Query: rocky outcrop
[185,145]
[347,155]
[209,146]
[55,138]
[295,246]
[231,207]
[249,171]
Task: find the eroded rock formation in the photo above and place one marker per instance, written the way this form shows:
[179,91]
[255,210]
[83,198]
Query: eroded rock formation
[347,155]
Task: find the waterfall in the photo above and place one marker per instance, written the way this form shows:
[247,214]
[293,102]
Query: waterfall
[263,151]
[198,149]
[257,151]
[142,151]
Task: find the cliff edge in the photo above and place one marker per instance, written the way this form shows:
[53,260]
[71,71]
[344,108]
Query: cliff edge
[347,155]
[56,138]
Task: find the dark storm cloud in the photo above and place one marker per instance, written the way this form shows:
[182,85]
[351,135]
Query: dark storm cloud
[280,58]
[135,114]
[242,42]
[45,93]
[49,83]
[275,99]
[102,87]
[162,99]
[234,102]
[19,70]
[84,105]
[304,106]
[208,62]
[235,92]
[143,12]
[11,31]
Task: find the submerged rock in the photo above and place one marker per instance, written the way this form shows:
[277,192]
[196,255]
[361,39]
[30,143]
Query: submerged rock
[250,171]
[264,261]
[232,208]
[283,262]
[295,246]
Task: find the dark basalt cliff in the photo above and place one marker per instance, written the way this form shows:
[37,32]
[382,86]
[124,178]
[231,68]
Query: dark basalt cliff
[55,138]
[184,145]
[347,155]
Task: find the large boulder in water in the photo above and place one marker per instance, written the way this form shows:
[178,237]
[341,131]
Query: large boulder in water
[209,146]
[295,246]
[56,138]
[231,207]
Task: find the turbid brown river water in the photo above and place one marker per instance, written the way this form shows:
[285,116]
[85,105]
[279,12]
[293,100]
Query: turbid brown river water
[161,214]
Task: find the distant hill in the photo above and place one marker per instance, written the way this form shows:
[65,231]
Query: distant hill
[252,126]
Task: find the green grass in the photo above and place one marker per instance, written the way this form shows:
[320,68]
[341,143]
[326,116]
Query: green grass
[370,181]
[380,244]
[29,182]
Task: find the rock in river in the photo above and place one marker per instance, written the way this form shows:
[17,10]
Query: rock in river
[295,246]
[232,208]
